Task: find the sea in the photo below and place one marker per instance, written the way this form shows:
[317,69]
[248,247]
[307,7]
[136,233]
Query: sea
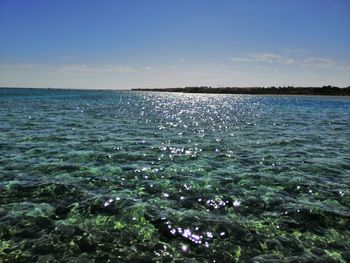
[127,176]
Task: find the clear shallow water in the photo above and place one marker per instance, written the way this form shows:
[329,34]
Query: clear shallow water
[92,176]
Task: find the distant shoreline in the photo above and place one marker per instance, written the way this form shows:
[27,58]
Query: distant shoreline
[325,90]
[307,91]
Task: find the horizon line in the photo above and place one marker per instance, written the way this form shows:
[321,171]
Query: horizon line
[169,88]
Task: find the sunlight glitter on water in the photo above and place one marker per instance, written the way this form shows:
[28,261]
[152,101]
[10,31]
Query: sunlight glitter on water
[177,176]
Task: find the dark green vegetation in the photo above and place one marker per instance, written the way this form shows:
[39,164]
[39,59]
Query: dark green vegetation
[325,90]
[103,176]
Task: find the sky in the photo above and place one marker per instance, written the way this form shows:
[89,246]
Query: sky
[124,44]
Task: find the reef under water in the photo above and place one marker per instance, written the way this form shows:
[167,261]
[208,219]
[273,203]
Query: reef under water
[112,176]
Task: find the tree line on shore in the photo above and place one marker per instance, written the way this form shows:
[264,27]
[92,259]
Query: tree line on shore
[290,90]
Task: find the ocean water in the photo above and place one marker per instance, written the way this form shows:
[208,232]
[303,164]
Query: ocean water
[108,176]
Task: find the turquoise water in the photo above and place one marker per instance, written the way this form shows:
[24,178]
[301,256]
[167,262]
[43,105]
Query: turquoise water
[104,176]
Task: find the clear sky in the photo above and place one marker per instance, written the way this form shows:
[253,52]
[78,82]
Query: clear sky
[169,43]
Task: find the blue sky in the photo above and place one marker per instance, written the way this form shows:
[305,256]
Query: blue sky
[159,43]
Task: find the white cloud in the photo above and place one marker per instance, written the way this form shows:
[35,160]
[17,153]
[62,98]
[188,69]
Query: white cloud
[310,62]
[70,68]
[109,76]
[89,69]
[69,75]
[319,62]
[242,59]
[24,66]
[265,58]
